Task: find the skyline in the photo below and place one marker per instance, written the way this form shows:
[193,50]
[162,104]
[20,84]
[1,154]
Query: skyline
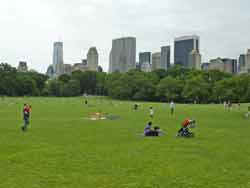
[31,27]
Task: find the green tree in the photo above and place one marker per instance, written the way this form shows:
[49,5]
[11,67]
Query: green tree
[196,89]
[71,89]
[64,78]
[170,88]
[55,88]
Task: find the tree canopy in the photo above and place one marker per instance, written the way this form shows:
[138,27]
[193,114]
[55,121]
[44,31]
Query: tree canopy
[176,83]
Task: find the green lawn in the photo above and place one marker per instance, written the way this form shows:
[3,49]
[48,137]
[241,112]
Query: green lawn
[64,150]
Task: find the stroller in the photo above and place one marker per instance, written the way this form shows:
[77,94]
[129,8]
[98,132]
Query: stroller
[184,131]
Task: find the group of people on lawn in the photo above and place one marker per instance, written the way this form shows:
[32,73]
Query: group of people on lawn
[149,130]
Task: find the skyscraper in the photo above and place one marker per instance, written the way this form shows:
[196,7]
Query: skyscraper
[58,58]
[145,61]
[144,57]
[123,55]
[156,61]
[248,61]
[183,46]
[242,62]
[92,59]
[165,57]
[110,62]
[194,60]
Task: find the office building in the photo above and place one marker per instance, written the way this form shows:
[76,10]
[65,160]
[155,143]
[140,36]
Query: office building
[156,61]
[123,55]
[92,59]
[58,58]
[244,63]
[144,57]
[194,60]
[224,65]
[183,46]
[165,57]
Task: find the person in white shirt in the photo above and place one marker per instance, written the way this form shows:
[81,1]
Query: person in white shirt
[225,105]
[151,112]
[172,106]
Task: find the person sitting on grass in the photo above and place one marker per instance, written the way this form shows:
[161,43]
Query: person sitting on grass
[186,124]
[148,131]
[147,128]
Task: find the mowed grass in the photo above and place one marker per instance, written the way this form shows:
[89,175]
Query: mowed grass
[64,150]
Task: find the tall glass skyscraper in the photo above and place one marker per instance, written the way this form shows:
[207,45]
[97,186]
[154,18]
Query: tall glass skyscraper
[58,58]
[144,57]
[183,46]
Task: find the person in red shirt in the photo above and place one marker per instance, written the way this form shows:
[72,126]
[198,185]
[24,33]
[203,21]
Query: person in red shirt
[26,116]
[186,124]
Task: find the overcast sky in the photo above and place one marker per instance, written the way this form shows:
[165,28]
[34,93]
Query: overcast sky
[29,27]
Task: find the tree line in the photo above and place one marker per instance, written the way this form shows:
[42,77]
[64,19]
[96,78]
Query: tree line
[176,83]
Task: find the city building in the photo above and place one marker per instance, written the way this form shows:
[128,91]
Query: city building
[80,66]
[156,61]
[183,46]
[244,63]
[165,57]
[123,55]
[145,67]
[144,57]
[247,66]
[99,69]
[194,60]
[137,66]
[58,58]
[22,66]
[58,67]
[66,69]
[50,71]
[110,69]
[205,66]
[92,59]
[145,62]
[224,65]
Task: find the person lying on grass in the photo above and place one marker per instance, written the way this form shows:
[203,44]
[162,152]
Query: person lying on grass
[148,131]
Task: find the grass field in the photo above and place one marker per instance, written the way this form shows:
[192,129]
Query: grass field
[62,149]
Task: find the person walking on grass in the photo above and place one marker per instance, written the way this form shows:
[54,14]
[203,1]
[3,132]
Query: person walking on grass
[151,112]
[26,116]
[248,113]
[172,107]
